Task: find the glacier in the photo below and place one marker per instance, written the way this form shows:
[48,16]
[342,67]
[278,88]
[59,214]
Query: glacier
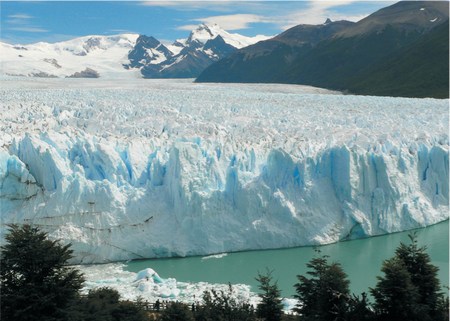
[163,168]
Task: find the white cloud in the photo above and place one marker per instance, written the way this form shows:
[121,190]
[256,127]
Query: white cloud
[318,11]
[166,42]
[121,31]
[176,3]
[189,5]
[28,29]
[283,16]
[22,22]
[20,16]
[227,22]
[18,19]
[187,27]
[165,3]
[233,22]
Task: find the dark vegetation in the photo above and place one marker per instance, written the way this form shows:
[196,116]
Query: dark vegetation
[36,284]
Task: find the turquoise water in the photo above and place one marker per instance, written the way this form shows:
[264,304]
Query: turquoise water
[361,260]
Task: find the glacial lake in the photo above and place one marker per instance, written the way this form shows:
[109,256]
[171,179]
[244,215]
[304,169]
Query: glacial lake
[361,260]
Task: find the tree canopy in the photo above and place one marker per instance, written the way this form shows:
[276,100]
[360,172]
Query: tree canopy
[270,308]
[36,282]
[410,287]
[323,295]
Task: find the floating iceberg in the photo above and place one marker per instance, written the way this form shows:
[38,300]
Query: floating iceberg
[149,274]
[149,281]
[174,168]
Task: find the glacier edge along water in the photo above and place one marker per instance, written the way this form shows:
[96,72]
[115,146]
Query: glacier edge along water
[189,277]
[361,260]
[181,169]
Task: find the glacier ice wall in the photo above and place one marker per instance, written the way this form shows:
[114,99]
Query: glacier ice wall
[180,169]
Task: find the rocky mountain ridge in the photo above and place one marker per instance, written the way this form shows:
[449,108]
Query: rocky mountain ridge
[123,56]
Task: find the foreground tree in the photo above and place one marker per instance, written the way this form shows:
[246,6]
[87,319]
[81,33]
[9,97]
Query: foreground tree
[395,295]
[36,283]
[443,309]
[222,306]
[424,277]
[270,307]
[177,311]
[359,308]
[410,288]
[324,294]
[103,304]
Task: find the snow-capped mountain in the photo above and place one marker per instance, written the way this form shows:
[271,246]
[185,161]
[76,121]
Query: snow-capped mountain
[204,33]
[189,57]
[123,56]
[102,55]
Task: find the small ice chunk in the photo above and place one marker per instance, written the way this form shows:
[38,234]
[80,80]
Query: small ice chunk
[215,256]
[149,274]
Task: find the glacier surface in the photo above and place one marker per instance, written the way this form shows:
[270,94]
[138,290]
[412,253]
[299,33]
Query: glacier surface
[172,168]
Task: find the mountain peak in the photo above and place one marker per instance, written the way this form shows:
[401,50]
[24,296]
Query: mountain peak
[111,55]
[205,32]
[204,26]
[328,21]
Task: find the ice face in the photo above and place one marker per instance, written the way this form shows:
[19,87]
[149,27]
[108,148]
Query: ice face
[163,168]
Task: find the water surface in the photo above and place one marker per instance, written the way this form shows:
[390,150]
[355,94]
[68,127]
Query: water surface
[361,260]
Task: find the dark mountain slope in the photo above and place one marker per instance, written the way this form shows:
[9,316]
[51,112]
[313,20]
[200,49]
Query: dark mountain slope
[145,50]
[253,64]
[312,34]
[263,61]
[358,58]
[404,15]
[361,63]
[421,68]
[335,63]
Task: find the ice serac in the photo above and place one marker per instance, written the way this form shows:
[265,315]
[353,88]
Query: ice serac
[161,171]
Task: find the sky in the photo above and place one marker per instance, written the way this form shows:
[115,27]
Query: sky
[52,21]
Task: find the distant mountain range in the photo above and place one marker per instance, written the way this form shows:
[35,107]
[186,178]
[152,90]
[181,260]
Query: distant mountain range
[400,50]
[186,58]
[125,55]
